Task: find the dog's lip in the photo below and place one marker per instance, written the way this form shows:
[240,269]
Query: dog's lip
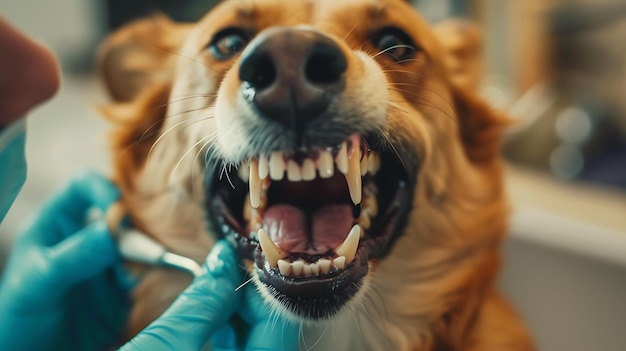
[315,297]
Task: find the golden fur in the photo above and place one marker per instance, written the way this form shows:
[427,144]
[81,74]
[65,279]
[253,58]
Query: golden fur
[436,290]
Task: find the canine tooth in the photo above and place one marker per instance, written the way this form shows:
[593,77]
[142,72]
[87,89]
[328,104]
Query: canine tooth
[342,158]
[284,267]
[264,167]
[349,246]
[353,177]
[308,169]
[325,164]
[307,270]
[324,265]
[315,268]
[297,266]
[244,171]
[255,184]
[272,252]
[340,262]
[277,166]
[294,174]
[373,164]
[363,166]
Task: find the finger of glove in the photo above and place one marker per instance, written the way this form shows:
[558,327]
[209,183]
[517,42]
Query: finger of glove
[224,339]
[199,310]
[270,330]
[81,256]
[66,211]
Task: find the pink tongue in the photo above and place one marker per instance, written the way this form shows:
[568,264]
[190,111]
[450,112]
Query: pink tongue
[289,228]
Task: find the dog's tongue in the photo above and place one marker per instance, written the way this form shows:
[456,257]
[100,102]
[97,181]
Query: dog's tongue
[294,231]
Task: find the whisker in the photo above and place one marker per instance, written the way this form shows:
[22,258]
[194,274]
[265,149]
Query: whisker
[185,98]
[225,171]
[403,71]
[319,338]
[243,284]
[188,123]
[351,30]
[212,136]
[185,155]
[399,46]
[182,113]
[399,157]
[422,100]
[403,61]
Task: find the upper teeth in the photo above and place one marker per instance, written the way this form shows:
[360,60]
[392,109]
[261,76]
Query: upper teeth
[352,163]
[277,258]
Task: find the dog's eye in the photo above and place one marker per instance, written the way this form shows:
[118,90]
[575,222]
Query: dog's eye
[394,43]
[228,43]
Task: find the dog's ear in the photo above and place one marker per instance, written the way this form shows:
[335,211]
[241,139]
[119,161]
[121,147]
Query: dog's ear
[462,42]
[138,55]
[136,64]
[481,126]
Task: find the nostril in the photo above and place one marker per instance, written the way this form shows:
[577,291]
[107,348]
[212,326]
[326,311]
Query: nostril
[325,65]
[258,70]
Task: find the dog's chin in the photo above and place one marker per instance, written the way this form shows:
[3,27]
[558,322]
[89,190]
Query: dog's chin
[311,220]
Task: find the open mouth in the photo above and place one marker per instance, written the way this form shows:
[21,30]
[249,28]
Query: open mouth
[312,220]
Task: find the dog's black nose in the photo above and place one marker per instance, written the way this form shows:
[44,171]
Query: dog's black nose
[292,75]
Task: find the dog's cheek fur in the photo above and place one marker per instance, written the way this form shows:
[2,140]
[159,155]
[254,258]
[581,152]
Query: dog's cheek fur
[455,228]
[156,162]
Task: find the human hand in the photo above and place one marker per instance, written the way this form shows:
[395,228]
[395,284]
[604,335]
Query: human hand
[205,307]
[59,289]
[267,331]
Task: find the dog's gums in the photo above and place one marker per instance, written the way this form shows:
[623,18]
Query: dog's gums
[312,219]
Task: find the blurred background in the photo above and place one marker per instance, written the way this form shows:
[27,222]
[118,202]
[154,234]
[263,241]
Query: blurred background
[558,67]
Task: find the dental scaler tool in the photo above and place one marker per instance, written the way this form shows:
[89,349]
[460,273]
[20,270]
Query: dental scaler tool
[136,246]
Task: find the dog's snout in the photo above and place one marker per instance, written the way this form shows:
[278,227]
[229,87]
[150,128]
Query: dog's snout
[292,75]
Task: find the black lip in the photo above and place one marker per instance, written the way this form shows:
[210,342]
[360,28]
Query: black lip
[315,297]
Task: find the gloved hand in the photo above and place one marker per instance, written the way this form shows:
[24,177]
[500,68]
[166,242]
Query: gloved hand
[64,289]
[59,290]
[205,307]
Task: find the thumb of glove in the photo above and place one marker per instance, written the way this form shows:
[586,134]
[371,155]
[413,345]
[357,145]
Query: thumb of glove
[80,256]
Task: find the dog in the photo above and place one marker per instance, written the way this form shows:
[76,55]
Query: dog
[359,178]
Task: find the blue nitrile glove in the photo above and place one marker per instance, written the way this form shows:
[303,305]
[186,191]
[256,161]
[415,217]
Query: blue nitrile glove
[206,306]
[12,163]
[267,330]
[60,290]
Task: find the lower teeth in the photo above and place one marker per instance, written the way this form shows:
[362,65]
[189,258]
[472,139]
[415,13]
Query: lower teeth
[301,268]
